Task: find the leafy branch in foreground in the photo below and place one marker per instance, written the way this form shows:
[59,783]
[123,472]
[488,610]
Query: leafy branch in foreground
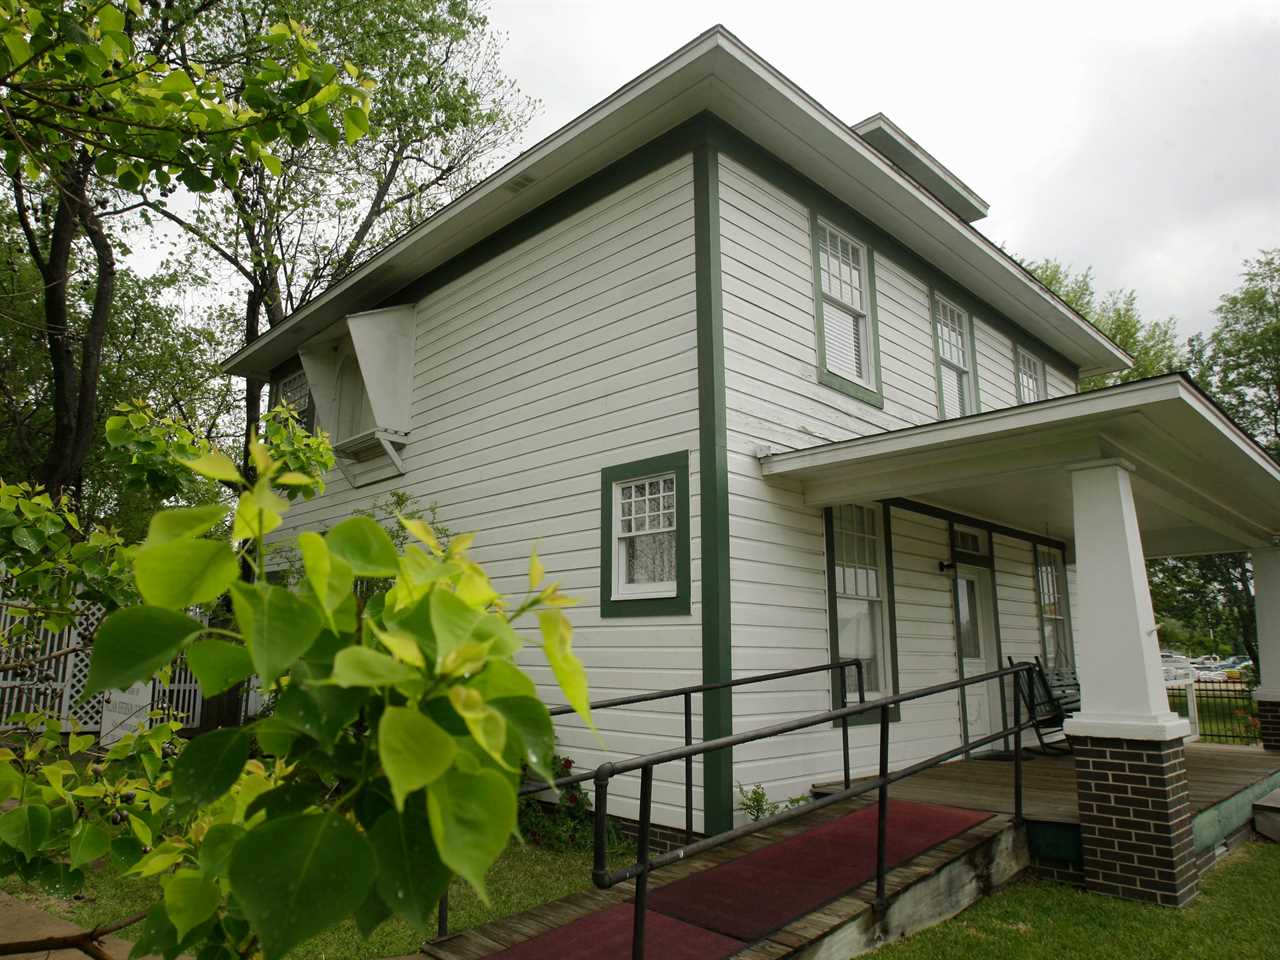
[390,762]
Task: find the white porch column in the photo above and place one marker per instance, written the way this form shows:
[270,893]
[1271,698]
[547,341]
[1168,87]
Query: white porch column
[1121,681]
[1131,775]
[1266,598]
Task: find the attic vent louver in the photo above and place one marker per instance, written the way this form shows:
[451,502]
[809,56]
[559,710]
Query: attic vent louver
[520,182]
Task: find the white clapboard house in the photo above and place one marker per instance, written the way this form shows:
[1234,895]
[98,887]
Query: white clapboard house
[763,395]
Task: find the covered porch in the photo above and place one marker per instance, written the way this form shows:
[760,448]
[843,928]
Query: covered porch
[1141,470]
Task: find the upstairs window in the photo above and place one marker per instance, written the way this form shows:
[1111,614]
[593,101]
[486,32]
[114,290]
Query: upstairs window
[846,352]
[1030,376]
[644,569]
[956,395]
[296,392]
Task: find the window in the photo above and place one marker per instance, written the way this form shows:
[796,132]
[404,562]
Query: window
[970,540]
[646,532]
[856,560]
[644,563]
[846,353]
[1051,592]
[1030,375]
[956,395]
[296,392]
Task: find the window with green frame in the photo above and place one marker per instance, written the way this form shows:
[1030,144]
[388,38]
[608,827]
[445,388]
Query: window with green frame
[1051,593]
[953,341]
[644,537]
[859,600]
[843,313]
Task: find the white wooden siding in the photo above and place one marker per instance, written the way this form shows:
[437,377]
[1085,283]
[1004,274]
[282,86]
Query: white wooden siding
[573,351]
[1058,384]
[997,387]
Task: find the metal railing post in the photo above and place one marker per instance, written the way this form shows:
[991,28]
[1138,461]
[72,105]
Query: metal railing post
[883,812]
[688,768]
[862,683]
[1017,758]
[642,857]
[600,865]
[442,915]
[844,722]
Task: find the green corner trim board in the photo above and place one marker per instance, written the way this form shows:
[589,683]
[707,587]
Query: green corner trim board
[717,642]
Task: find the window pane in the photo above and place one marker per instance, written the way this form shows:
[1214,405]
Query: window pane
[843,336]
[840,266]
[954,392]
[859,636]
[651,558]
[953,340]
[967,605]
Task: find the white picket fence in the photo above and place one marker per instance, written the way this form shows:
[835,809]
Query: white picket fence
[61,694]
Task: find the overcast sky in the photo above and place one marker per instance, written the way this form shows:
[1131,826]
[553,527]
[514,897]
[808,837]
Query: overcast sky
[1140,139]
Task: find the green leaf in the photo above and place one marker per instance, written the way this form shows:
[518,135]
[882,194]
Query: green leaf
[472,816]
[272,163]
[362,667]
[110,18]
[17,46]
[452,622]
[88,842]
[157,861]
[355,123]
[557,643]
[135,642]
[178,82]
[297,876]
[363,544]
[331,578]
[278,626]
[181,573]
[321,712]
[215,849]
[258,512]
[219,665]
[414,750]
[528,716]
[208,767]
[411,876]
[29,539]
[213,464]
[190,899]
[25,828]
[184,522]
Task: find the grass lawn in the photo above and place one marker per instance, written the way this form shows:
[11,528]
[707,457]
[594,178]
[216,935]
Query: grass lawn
[1236,917]
[525,877]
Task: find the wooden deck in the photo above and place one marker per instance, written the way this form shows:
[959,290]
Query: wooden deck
[493,938]
[1215,772]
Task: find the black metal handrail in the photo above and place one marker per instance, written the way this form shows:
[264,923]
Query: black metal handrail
[837,667]
[644,865]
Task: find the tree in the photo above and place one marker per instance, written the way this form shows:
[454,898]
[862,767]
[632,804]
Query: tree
[401,732]
[1153,344]
[293,224]
[151,353]
[1238,363]
[98,102]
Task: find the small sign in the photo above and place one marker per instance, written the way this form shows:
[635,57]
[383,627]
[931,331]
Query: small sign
[123,710]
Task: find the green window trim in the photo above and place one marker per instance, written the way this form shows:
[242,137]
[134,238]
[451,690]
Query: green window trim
[891,618]
[679,604]
[873,396]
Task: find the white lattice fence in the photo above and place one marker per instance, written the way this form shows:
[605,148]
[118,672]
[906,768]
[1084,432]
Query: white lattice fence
[181,697]
[58,681]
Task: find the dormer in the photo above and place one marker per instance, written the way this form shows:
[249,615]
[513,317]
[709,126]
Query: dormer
[360,373]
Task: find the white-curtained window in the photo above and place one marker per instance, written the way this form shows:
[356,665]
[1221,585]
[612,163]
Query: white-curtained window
[857,559]
[846,332]
[951,325]
[645,531]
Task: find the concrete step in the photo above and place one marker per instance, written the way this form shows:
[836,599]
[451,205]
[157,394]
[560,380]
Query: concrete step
[1266,816]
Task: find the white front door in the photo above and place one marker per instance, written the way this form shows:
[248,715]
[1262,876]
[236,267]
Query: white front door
[979,649]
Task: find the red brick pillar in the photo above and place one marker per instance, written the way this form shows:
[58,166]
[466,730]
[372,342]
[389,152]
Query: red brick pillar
[1135,819]
[1269,719]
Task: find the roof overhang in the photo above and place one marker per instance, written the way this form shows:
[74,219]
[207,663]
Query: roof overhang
[714,73]
[1201,484]
[922,166]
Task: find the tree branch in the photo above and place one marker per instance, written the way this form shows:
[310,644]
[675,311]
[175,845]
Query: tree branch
[87,942]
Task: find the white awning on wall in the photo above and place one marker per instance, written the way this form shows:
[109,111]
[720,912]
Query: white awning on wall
[1200,484]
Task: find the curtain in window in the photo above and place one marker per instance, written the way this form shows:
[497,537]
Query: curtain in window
[858,559]
[1058,649]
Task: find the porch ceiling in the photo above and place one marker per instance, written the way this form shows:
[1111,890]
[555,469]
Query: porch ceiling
[1201,485]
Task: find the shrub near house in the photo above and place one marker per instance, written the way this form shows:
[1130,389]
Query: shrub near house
[390,762]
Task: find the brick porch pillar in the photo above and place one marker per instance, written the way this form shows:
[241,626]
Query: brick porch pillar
[1131,776]
[1266,595]
[1135,819]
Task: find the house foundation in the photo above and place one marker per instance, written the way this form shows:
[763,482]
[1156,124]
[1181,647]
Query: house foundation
[1135,819]
[1269,723]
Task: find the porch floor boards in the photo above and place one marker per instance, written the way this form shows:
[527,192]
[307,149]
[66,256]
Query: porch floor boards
[492,938]
[1214,771]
